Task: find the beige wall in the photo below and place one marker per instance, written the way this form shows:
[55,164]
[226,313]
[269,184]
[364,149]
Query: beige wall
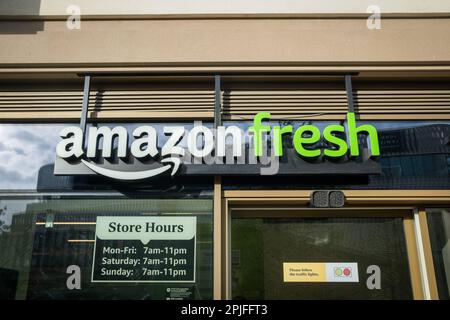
[249,42]
[150,7]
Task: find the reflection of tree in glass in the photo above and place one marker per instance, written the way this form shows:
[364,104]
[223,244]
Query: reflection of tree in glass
[3,226]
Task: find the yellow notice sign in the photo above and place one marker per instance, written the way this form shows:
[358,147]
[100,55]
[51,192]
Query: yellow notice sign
[304,272]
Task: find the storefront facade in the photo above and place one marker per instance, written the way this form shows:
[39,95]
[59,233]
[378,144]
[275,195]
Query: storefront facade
[130,168]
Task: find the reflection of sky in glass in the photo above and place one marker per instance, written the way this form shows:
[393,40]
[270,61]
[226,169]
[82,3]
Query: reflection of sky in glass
[24,149]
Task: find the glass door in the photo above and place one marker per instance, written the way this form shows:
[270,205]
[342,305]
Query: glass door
[319,256]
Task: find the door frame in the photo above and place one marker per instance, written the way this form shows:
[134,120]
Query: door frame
[411,202]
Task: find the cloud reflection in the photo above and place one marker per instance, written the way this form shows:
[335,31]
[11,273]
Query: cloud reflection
[24,149]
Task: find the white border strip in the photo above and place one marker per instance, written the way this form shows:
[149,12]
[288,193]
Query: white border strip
[136,7]
[421,253]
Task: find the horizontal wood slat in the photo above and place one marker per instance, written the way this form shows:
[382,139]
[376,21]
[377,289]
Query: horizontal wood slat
[332,104]
[108,104]
[236,104]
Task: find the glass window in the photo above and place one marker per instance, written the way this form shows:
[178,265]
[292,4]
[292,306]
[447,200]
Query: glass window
[47,249]
[367,258]
[439,230]
[24,150]
[414,155]
[28,155]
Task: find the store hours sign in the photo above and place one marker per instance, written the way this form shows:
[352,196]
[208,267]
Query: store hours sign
[144,249]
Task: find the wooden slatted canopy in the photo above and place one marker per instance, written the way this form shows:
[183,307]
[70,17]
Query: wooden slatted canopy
[107,104]
[316,100]
[332,104]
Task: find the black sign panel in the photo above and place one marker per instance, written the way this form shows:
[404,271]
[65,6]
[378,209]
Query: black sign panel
[289,164]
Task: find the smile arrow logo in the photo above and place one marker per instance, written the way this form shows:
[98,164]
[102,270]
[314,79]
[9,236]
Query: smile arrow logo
[135,175]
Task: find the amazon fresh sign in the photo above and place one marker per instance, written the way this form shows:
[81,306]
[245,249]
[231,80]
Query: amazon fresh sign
[264,149]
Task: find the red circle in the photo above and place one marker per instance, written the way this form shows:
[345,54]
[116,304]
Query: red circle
[346,272]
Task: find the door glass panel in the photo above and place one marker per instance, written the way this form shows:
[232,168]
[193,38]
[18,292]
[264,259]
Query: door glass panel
[353,258]
[439,230]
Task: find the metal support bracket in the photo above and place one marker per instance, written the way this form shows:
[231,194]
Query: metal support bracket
[349,89]
[85,106]
[217,101]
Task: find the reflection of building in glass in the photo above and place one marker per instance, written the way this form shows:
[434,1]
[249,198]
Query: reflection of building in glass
[63,234]
[419,140]
[16,246]
[417,156]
